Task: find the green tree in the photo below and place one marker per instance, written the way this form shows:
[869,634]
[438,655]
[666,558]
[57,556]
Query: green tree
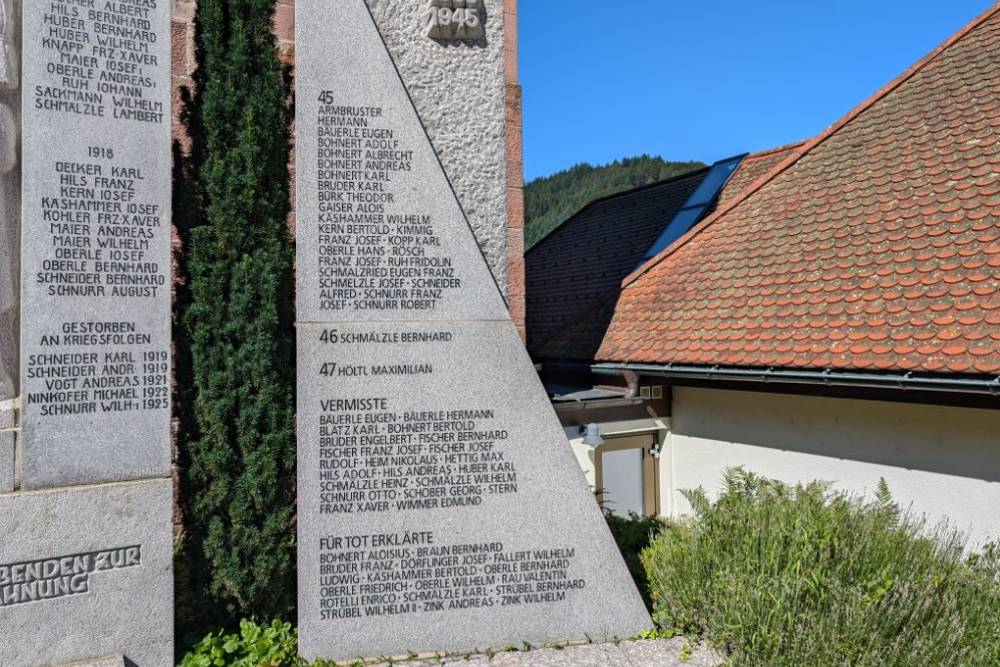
[235,335]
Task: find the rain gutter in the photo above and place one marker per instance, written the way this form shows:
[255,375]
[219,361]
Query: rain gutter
[828,377]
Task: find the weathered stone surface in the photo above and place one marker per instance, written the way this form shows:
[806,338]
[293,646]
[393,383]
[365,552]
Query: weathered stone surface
[95,262]
[6,461]
[454,19]
[458,89]
[111,661]
[104,556]
[452,445]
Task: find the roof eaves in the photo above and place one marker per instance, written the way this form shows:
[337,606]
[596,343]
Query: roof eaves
[809,145]
[988,385]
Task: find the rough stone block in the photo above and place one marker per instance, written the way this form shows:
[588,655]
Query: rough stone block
[86,572]
[95,260]
[461,108]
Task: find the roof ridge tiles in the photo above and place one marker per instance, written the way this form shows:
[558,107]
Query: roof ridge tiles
[760,155]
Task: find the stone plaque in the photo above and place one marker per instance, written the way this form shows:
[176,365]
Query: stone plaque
[454,19]
[440,506]
[380,235]
[86,572]
[95,307]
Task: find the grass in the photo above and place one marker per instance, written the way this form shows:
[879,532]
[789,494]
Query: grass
[776,575]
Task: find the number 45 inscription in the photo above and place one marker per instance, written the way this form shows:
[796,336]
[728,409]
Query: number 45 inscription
[454,19]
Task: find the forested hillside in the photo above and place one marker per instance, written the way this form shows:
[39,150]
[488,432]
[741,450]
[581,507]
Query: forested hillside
[550,200]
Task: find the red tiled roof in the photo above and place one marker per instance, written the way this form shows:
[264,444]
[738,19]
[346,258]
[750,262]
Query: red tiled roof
[753,167]
[574,272]
[874,246]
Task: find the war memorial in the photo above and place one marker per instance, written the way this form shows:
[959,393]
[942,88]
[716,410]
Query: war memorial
[439,507]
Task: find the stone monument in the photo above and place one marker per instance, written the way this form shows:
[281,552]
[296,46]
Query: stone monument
[85,491]
[440,507]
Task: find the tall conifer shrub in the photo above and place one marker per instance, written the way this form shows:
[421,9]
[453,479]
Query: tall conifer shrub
[235,335]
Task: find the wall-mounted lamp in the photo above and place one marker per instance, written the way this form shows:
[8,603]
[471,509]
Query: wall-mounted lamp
[592,435]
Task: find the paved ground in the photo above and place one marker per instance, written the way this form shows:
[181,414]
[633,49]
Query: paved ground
[648,653]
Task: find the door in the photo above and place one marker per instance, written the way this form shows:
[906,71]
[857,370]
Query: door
[627,475]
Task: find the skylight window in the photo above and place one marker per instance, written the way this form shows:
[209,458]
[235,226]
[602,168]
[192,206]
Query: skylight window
[696,206]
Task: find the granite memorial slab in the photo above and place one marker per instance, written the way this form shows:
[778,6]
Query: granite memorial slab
[95,253]
[384,237]
[440,506]
[88,575]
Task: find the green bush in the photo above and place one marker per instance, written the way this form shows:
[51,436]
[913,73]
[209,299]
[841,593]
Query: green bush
[274,645]
[236,403]
[633,534]
[779,575]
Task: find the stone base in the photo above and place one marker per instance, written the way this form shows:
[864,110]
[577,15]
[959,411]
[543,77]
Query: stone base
[87,571]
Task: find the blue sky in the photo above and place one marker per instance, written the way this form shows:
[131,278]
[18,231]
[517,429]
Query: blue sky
[703,80]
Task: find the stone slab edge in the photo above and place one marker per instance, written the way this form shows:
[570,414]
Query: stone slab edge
[110,661]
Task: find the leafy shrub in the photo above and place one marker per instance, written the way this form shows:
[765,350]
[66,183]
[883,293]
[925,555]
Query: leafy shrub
[780,575]
[633,534]
[274,645]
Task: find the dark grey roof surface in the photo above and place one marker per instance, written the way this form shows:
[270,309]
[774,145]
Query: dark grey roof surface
[593,251]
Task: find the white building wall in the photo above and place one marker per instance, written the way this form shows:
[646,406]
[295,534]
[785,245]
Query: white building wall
[943,461]
[585,455]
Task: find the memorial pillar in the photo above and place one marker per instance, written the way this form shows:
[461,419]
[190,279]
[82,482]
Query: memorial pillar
[85,559]
[440,506]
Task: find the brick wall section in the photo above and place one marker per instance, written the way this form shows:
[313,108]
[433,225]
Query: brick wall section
[515,172]
[182,58]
